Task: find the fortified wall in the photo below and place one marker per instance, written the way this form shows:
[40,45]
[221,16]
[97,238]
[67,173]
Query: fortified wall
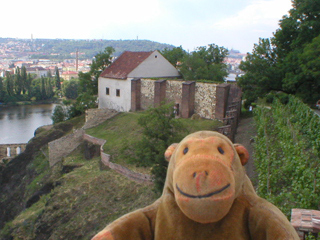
[208,100]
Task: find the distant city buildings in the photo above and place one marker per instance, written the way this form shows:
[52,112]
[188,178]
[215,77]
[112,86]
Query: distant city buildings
[19,53]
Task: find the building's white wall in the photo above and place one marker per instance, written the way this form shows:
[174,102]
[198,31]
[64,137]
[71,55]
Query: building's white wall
[155,66]
[111,101]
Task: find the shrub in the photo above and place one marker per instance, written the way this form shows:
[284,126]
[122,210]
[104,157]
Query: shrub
[160,129]
[58,115]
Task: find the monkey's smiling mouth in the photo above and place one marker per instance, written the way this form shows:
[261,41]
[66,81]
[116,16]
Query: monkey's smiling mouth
[205,195]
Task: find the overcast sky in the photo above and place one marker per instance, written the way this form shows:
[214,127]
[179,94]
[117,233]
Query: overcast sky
[236,24]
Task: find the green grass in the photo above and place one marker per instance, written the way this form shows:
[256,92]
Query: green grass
[122,127]
[123,130]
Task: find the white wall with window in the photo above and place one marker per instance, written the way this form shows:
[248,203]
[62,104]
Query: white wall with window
[115,94]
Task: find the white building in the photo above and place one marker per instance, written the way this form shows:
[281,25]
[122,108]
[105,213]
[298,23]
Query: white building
[38,71]
[114,85]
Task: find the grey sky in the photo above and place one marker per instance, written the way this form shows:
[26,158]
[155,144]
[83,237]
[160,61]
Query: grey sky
[234,24]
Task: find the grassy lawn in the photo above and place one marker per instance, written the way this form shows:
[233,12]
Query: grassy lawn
[123,130]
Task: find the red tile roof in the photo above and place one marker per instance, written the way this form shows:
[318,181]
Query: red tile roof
[125,64]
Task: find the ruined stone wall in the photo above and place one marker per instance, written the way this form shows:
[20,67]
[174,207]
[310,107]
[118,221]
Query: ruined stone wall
[8,151]
[174,91]
[147,93]
[96,116]
[94,140]
[139,177]
[205,100]
[63,146]
[105,159]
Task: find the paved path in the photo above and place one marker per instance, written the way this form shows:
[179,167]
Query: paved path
[245,133]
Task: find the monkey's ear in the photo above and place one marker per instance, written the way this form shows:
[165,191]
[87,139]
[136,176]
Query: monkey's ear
[243,153]
[170,150]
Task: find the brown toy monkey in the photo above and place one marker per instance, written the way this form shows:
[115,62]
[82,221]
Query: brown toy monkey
[207,195]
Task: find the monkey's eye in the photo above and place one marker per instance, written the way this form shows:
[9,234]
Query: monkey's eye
[185,150]
[220,150]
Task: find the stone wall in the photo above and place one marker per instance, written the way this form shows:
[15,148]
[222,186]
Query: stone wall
[94,140]
[174,91]
[205,96]
[96,116]
[138,177]
[205,100]
[147,93]
[105,158]
[8,151]
[63,146]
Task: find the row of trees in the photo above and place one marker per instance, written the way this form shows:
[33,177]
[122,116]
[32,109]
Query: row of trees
[289,61]
[23,86]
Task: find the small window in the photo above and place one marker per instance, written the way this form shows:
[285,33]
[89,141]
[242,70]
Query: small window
[118,92]
[107,91]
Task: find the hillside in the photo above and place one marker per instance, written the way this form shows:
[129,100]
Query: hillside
[63,48]
[77,197]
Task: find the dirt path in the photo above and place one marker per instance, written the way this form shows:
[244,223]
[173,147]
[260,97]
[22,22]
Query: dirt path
[245,133]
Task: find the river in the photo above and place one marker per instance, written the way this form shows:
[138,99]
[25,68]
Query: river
[18,123]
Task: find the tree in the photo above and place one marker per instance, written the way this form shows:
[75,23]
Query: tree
[58,115]
[43,88]
[24,77]
[174,55]
[49,89]
[2,90]
[99,63]
[70,88]
[206,63]
[49,75]
[18,84]
[57,77]
[160,130]
[35,89]
[9,84]
[83,102]
[85,82]
[262,74]
[291,56]
[28,85]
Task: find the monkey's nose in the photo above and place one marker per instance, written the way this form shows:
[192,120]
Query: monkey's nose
[200,173]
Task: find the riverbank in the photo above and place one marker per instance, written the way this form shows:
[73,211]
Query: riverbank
[24,103]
